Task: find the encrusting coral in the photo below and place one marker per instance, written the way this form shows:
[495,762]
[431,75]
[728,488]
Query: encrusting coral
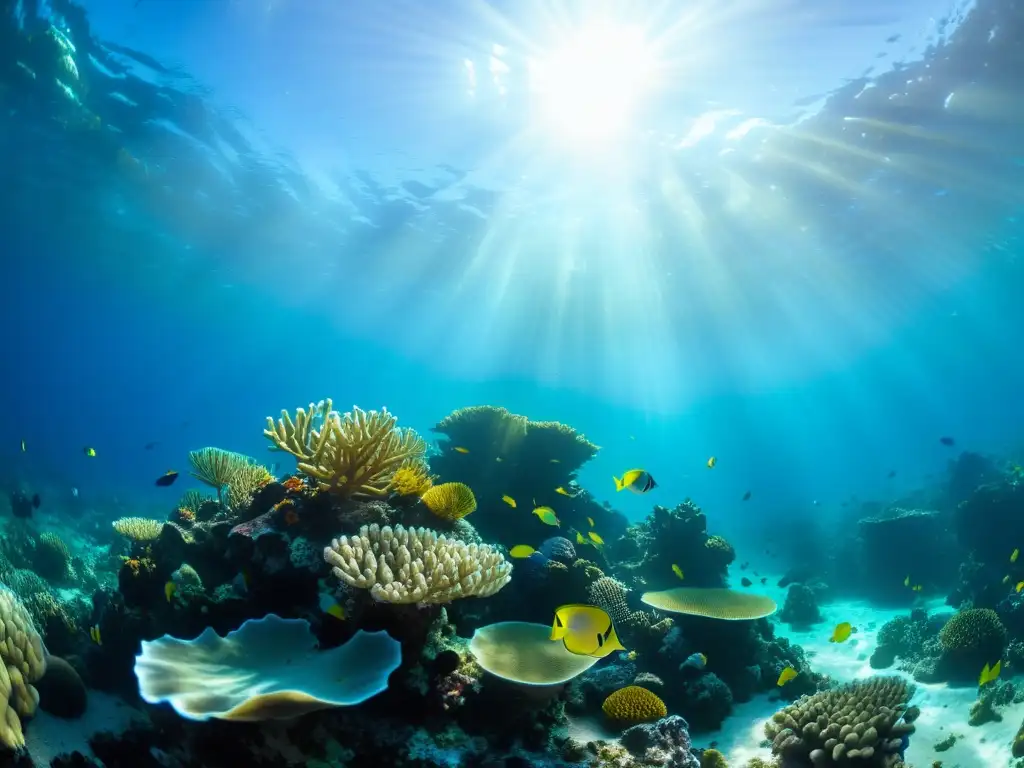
[354,454]
[138,528]
[856,720]
[634,704]
[415,565]
[24,662]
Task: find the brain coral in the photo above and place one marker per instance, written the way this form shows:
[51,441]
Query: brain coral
[634,704]
[974,635]
[857,720]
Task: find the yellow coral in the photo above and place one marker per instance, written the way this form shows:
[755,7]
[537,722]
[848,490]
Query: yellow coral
[412,479]
[245,481]
[634,704]
[22,661]
[352,454]
[138,528]
[450,501]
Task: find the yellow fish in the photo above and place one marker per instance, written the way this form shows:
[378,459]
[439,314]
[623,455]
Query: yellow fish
[460,449]
[917,587]
[636,480]
[330,605]
[596,539]
[1014,556]
[712,461]
[590,520]
[546,515]
[585,630]
[1020,586]
[989,674]
[579,538]
[786,675]
[169,589]
[677,570]
[906,582]
[841,633]
[94,633]
[561,490]
[90,452]
[521,550]
[509,500]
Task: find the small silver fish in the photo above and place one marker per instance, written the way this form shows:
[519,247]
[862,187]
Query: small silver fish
[74,492]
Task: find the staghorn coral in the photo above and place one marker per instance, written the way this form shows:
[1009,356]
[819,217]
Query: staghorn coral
[24,662]
[352,454]
[412,479]
[450,501]
[415,565]
[634,704]
[856,720]
[138,528]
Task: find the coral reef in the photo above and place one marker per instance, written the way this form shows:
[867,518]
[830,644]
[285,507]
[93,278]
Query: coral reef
[353,454]
[416,565]
[856,720]
[801,606]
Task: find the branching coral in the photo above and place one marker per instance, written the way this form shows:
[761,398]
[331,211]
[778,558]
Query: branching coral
[138,528]
[857,720]
[23,662]
[415,565]
[352,454]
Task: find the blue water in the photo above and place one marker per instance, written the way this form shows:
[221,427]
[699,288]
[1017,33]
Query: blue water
[316,207]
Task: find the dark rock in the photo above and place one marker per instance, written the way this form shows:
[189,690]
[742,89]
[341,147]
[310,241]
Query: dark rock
[61,690]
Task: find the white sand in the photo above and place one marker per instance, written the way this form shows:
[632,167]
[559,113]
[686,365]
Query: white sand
[944,710]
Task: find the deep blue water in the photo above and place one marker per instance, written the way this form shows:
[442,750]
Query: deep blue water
[314,209]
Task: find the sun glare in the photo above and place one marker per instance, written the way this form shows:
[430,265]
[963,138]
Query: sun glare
[588,91]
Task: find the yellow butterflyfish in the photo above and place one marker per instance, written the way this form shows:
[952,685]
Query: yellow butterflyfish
[169,589]
[509,500]
[677,570]
[90,452]
[917,587]
[841,633]
[94,633]
[635,480]
[590,522]
[1020,586]
[786,675]
[585,630]
[712,461]
[580,539]
[562,491]
[546,515]
[596,538]
[460,449]
[989,674]
[521,550]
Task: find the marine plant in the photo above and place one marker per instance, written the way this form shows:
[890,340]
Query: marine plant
[354,454]
[450,501]
[416,565]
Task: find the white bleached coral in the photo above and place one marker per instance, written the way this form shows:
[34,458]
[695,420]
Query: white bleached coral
[24,662]
[416,565]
